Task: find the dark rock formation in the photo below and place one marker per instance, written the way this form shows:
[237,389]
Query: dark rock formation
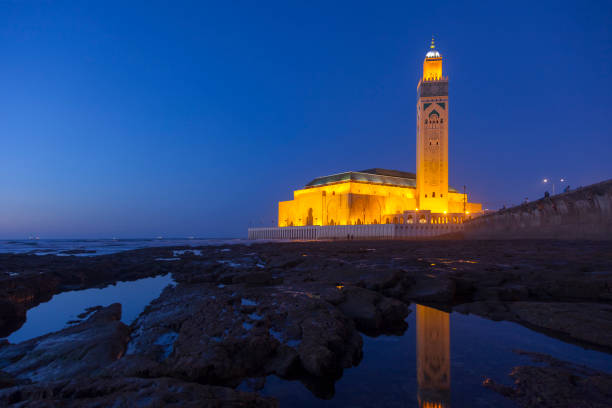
[223,335]
[130,392]
[75,351]
[557,384]
[293,310]
[584,323]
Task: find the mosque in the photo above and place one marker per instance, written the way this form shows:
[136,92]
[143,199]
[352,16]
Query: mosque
[381,196]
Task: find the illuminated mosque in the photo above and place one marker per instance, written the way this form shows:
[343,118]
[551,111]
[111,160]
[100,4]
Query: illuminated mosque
[380,196]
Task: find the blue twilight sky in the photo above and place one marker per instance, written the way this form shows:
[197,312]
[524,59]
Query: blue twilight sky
[138,119]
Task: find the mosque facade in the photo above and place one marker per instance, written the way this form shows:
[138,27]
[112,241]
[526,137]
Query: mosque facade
[382,196]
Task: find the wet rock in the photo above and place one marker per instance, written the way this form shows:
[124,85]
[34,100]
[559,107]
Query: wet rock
[491,310]
[385,278]
[578,322]
[257,278]
[89,311]
[285,363]
[556,384]
[77,251]
[12,316]
[329,342]
[224,335]
[285,261]
[589,322]
[372,312]
[130,392]
[332,294]
[7,380]
[596,287]
[78,350]
[293,309]
[254,384]
[432,289]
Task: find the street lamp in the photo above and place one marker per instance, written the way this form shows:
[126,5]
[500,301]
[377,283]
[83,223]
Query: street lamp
[551,181]
[546,181]
[563,180]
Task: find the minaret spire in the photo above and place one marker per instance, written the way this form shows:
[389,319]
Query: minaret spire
[433,44]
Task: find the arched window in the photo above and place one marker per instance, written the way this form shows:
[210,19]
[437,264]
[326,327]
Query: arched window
[433,194]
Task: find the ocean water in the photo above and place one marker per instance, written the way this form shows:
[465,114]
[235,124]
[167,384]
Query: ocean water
[102,246]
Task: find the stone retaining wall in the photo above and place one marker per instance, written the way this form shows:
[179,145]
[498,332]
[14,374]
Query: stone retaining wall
[585,213]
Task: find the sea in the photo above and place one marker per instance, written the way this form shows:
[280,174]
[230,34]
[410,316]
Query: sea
[92,247]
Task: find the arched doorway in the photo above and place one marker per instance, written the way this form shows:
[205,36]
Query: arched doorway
[309,217]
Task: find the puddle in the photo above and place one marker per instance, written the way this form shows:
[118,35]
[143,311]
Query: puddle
[54,315]
[440,361]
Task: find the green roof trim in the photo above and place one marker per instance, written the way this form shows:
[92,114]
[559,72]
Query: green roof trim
[376,175]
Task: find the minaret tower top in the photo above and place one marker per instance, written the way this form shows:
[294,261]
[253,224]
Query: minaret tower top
[432,66]
[432,135]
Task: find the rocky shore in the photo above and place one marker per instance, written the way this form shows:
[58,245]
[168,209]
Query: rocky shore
[296,310]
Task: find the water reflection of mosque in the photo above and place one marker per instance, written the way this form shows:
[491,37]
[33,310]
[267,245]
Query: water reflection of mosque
[433,357]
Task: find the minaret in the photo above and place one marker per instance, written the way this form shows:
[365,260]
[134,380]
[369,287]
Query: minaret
[432,135]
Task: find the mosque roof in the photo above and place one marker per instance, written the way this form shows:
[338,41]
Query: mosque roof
[375,175]
[378,176]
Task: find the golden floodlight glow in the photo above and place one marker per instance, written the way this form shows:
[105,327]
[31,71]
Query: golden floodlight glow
[382,196]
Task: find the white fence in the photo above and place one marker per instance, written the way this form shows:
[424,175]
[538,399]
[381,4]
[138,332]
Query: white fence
[376,231]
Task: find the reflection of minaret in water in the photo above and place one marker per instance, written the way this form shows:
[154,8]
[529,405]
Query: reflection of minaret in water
[433,357]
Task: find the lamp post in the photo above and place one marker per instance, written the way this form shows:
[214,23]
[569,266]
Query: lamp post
[563,180]
[551,181]
[546,181]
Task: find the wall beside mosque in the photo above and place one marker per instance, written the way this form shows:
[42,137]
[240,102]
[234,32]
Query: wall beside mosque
[584,213]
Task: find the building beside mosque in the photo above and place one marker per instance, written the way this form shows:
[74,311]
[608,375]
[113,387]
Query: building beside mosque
[381,196]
